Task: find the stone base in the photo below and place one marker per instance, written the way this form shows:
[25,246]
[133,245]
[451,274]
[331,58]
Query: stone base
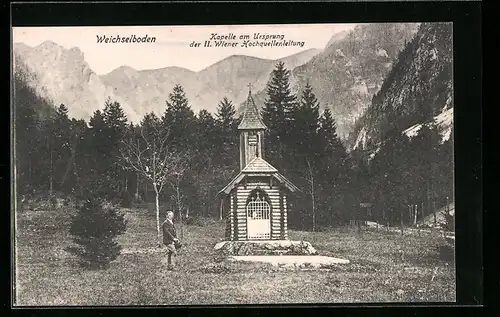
[265,247]
[294,261]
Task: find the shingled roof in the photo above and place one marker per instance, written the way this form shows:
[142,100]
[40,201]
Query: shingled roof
[251,118]
[259,165]
[239,178]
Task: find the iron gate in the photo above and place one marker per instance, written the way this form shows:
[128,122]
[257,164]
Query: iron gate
[258,219]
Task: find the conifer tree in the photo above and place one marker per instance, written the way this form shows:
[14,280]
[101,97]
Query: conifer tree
[179,118]
[424,167]
[392,164]
[277,114]
[115,122]
[106,130]
[94,230]
[182,125]
[75,166]
[335,178]
[206,136]
[227,140]
[26,129]
[306,124]
[96,142]
[149,125]
[306,147]
[225,115]
[200,187]
[59,147]
[93,151]
[334,152]
[115,126]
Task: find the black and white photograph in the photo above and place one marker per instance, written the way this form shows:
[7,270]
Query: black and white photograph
[233,164]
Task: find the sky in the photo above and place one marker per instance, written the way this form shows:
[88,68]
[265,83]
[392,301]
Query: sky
[172,44]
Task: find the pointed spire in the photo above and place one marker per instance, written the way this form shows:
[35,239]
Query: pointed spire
[251,118]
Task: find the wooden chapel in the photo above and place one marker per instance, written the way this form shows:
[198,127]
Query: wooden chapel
[257,198]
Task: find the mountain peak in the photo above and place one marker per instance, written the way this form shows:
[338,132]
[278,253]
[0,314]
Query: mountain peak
[48,45]
[124,69]
[167,68]
[336,37]
[145,90]
[240,57]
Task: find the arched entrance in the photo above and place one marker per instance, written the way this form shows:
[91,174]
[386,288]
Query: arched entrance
[258,210]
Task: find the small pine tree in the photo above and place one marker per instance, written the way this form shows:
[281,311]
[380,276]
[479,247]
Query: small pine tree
[94,229]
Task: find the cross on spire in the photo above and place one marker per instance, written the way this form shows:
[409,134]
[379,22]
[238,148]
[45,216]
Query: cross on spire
[251,118]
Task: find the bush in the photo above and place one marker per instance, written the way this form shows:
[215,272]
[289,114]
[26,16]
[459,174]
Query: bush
[94,229]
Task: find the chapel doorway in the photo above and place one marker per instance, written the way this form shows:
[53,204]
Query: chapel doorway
[258,212]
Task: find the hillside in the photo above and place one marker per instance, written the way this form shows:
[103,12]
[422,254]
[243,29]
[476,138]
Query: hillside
[352,68]
[344,75]
[418,88]
[148,90]
[63,76]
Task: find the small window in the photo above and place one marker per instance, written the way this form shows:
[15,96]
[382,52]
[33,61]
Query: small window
[252,140]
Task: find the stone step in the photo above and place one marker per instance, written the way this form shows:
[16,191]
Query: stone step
[314,261]
[273,252]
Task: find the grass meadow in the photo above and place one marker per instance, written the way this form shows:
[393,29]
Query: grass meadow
[385,267]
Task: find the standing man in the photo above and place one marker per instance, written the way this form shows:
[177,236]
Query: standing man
[169,238]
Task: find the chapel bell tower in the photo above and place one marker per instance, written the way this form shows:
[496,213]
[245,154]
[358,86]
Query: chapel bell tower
[251,131]
[256,199]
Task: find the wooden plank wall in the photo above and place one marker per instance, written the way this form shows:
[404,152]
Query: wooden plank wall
[234,216]
[242,151]
[227,230]
[285,217]
[231,215]
[274,196]
[282,218]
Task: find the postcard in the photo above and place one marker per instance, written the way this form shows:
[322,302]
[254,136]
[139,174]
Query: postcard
[233,164]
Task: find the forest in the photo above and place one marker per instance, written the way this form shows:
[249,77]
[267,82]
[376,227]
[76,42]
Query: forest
[184,158]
